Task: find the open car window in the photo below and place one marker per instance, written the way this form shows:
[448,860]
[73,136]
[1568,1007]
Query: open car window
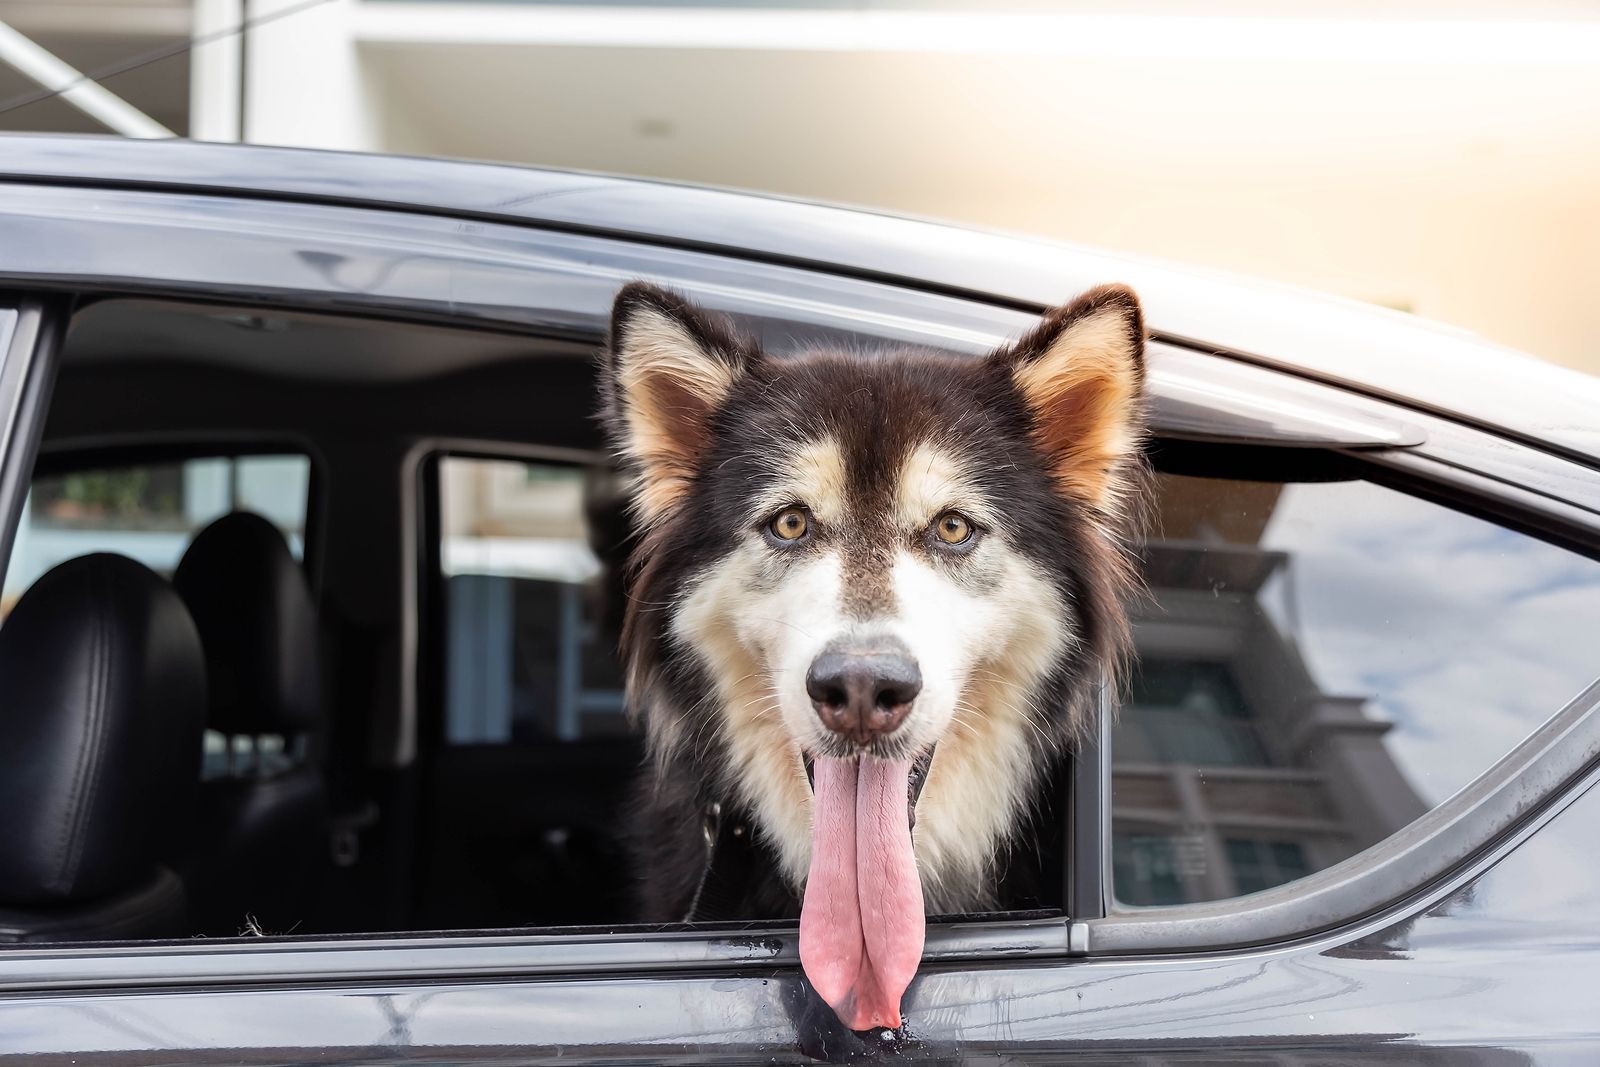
[1321,662]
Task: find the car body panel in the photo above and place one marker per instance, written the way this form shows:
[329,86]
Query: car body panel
[1369,348]
[504,277]
[1493,960]
[1497,968]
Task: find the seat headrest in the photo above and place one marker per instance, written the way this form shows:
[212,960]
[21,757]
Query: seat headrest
[259,627]
[102,704]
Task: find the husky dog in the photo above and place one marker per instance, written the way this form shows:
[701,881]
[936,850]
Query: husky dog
[873,596]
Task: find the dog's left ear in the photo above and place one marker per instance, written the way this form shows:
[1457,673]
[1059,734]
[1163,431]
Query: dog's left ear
[1081,372]
[669,368]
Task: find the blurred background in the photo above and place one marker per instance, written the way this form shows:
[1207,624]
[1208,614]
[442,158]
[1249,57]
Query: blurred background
[1441,158]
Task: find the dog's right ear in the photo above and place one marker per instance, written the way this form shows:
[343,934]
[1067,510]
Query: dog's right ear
[669,367]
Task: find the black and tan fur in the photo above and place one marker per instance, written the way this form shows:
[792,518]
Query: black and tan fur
[1041,439]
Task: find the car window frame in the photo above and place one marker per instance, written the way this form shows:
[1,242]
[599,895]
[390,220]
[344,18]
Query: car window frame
[1549,756]
[1458,468]
[32,326]
[1512,480]
[1555,755]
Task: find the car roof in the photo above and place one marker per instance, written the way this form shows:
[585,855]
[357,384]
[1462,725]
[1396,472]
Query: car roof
[1371,349]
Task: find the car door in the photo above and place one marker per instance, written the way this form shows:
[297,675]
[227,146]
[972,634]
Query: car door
[1345,789]
[1259,918]
[1396,902]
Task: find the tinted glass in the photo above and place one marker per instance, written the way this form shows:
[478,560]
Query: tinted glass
[1320,664]
[531,561]
[151,511]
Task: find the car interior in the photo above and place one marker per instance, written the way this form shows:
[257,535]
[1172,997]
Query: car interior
[264,476]
[310,628]
[381,565]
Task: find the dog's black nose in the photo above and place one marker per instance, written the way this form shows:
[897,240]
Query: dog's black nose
[863,690]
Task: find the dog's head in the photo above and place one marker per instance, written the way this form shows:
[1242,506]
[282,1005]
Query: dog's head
[852,562]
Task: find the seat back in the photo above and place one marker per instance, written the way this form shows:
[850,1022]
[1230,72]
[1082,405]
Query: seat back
[261,848]
[102,699]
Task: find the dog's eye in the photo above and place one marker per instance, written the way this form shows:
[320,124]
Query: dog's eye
[790,524]
[953,528]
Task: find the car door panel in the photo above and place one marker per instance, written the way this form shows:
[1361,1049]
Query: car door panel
[1499,968]
[1493,965]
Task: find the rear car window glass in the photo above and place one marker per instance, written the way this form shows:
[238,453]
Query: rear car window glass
[151,511]
[1320,664]
[532,605]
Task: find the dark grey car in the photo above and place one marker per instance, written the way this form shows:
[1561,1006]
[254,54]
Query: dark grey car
[1342,814]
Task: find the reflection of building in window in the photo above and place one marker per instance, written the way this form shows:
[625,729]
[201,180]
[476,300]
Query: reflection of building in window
[1260,864]
[1189,713]
[1232,770]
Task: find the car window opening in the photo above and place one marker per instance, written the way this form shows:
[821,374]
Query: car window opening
[1322,659]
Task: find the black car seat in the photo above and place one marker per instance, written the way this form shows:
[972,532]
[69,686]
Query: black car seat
[261,846]
[102,699]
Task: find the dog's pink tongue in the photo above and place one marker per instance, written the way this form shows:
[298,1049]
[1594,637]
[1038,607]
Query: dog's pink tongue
[862,921]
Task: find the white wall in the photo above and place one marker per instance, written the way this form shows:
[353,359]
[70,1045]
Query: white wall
[304,81]
[1418,154]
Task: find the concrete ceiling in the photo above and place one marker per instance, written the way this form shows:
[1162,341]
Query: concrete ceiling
[1455,179]
[872,124]
[95,35]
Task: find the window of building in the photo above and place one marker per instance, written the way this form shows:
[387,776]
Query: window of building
[1258,864]
[1321,663]
[531,561]
[1188,712]
[1147,867]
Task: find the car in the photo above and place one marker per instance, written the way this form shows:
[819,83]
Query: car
[302,445]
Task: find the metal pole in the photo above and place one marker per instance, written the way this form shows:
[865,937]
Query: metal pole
[89,97]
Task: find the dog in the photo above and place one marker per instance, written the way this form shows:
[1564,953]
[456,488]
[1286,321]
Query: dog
[872,597]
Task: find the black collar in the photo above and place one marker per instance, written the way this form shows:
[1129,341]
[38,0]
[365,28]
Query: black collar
[723,892]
